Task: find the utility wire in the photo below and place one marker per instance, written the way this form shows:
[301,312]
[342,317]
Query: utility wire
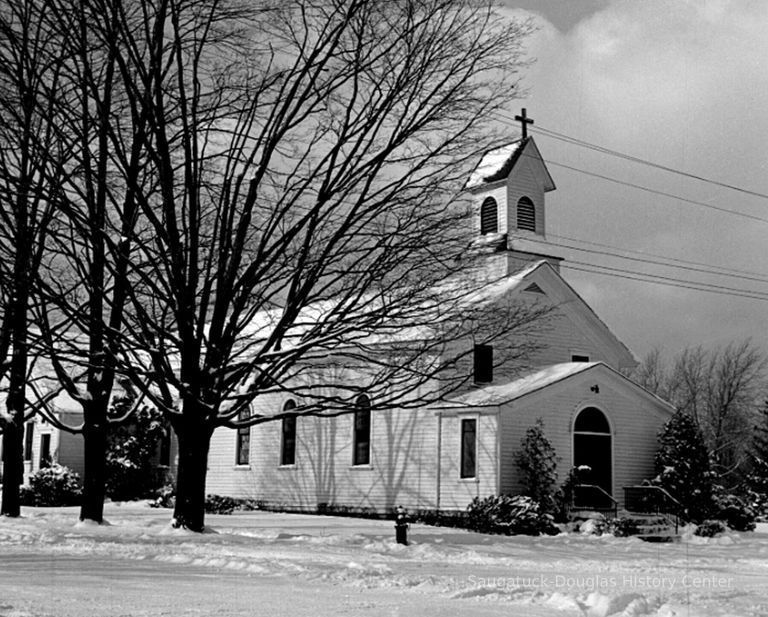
[628,157]
[578,142]
[663,280]
[658,192]
[661,263]
[724,271]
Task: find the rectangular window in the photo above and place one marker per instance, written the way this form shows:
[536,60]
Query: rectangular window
[164,457]
[579,358]
[288,451]
[483,364]
[45,451]
[362,437]
[468,448]
[29,434]
[243,455]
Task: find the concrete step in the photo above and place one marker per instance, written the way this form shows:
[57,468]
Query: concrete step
[655,537]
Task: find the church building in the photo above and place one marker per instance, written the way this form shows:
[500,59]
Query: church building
[442,456]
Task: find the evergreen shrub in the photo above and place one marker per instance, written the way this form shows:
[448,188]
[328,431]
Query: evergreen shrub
[509,515]
[52,486]
[537,462]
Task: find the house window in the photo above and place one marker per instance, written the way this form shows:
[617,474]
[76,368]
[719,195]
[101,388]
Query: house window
[468,448]
[29,434]
[489,220]
[288,445]
[579,358]
[483,364]
[164,457]
[362,431]
[45,451]
[243,446]
[526,215]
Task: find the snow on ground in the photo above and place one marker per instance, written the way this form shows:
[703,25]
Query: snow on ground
[284,564]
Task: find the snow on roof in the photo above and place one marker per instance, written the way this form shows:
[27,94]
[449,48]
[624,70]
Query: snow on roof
[492,162]
[536,380]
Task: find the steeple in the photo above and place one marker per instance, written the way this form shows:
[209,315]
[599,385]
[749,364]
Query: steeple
[508,186]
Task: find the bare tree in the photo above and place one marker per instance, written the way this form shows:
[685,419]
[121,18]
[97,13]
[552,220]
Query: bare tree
[309,158]
[29,157]
[721,389]
[83,289]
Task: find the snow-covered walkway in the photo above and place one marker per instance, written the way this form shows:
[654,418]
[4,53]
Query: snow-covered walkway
[260,563]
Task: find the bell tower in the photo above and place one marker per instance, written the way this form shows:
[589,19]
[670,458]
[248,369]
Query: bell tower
[509,188]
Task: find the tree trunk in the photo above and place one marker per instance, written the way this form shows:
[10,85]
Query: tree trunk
[13,468]
[94,459]
[194,441]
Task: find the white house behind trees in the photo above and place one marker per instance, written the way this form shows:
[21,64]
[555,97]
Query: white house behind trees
[443,455]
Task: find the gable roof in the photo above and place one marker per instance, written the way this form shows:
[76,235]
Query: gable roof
[541,378]
[570,302]
[497,164]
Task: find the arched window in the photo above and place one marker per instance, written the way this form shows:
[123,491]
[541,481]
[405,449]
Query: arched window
[489,220]
[592,447]
[361,453]
[526,214]
[288,442]
[592,420]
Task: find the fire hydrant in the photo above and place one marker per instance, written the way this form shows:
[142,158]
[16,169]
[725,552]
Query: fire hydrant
[401,525]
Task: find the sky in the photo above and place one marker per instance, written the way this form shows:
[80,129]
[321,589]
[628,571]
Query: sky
[682,84]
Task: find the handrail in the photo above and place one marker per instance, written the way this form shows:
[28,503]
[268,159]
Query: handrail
[652,500]
[601,492]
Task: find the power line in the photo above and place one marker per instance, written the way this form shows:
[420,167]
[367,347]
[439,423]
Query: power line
[661,193]
[660,263]
[724,270]
[554,135]
[628,157]
[670,281]
[666,281]
[655,191]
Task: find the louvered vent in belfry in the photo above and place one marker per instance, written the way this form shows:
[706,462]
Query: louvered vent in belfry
[526,215]
[489,220]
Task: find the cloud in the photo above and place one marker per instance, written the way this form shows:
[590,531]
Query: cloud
[682,83]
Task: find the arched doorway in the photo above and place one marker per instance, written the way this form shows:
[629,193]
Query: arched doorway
[592,447]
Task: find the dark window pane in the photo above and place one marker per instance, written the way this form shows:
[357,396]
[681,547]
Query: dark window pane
[468,446]
[592,420]
[243,455]
[362,432]
[483,369]
[29,434]
[165,445]
[288,456]
[579,358]
[45,451]
[489,220]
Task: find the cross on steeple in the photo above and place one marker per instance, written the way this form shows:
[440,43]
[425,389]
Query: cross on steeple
[525,121]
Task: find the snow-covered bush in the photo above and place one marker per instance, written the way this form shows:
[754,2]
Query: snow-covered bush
[733,511]
[622,527]
[132,472]
[165,497]
[441,518]
[219,504]
[537,462]
[709,528]
[509,515]
[52,486]
[683,467]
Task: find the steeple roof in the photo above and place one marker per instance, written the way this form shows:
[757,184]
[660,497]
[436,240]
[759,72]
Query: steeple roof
[497,164]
